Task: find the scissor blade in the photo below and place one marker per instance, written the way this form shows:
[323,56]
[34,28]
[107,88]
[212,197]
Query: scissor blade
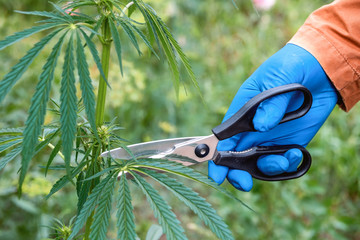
[146,149]
[191,152]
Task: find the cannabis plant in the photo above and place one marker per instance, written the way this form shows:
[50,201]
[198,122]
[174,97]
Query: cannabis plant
[80,134]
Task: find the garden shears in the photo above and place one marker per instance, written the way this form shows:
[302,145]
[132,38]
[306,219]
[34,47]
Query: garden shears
[193,150]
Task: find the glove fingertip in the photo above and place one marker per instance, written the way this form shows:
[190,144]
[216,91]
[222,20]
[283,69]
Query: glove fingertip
[216,172]
[294,156]
[240,179]
[273,164]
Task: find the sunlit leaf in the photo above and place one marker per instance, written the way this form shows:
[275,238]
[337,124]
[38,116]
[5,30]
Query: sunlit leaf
[45,14]
[162,211]
[129,32]
[95,55]
[89,206]
[198,204]
[102,214]
[125,217]
[18,70]
[87,89]
[181,170]
[53,154]
[38,109]
[65,179]
[117,42]
[10,156]
[68,105]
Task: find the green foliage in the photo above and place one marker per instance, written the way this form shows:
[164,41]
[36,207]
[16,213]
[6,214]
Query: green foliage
[78,140]
[125,216]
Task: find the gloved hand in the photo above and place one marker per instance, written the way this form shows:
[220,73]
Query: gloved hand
[292,64]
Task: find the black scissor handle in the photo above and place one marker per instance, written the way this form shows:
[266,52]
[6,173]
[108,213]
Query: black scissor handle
[242,120]
[247,161]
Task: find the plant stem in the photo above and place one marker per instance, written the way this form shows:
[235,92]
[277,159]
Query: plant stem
[100,105]
[105,60]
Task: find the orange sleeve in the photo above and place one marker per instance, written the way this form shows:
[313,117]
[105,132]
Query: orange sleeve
[332,35]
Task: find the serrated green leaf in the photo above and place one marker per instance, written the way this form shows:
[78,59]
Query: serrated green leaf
[116,38]
[181,170]
[62,12]
[65,179]
[45,14]
[154,233]
[162,211]
[45,142]
[196,203]
[53,154]
[98,174]
[129,32]
[89,206]
[85,188]
[181,54]
[125,217]
[87,89]
[18,70]
[68,106]
[143,37]
[7,139]
[24,34]
[102,214]
[38,109]
[76,4]
[10,156]
[11,131]
[95,55]
[97,27]
[162,38]
[10,144]
[79,183]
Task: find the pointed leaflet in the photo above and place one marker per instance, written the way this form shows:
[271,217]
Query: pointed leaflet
[125,216]
[10,156]
[24,34]
[143,37]
[53,154]
[102,214]
[130,34]
[181,54]
[198,204]
[95,55]
[68,106]
[38,109]
[62,12]
[65,179]
[162,211]
[89,206]
[45,14]
[11,131]
[18,70]
[87,89]
[162,37]
[182,171]
[116,38]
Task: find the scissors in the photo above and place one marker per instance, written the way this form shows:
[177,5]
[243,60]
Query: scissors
[193,150]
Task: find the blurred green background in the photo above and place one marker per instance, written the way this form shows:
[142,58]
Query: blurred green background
[224,45]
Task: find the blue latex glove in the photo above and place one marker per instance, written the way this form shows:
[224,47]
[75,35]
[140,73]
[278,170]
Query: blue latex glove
[292,64]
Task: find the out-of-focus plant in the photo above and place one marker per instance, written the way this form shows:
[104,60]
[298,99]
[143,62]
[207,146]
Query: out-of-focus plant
[79,138]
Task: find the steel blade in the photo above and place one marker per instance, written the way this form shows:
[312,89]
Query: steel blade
[185,152]
[146,149]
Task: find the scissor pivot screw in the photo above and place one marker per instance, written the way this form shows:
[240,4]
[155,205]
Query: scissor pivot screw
[202,150]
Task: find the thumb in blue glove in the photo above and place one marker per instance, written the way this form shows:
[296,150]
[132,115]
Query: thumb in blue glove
[292,64]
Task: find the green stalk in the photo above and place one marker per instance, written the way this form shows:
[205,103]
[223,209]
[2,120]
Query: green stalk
[100,104]
[105,60]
